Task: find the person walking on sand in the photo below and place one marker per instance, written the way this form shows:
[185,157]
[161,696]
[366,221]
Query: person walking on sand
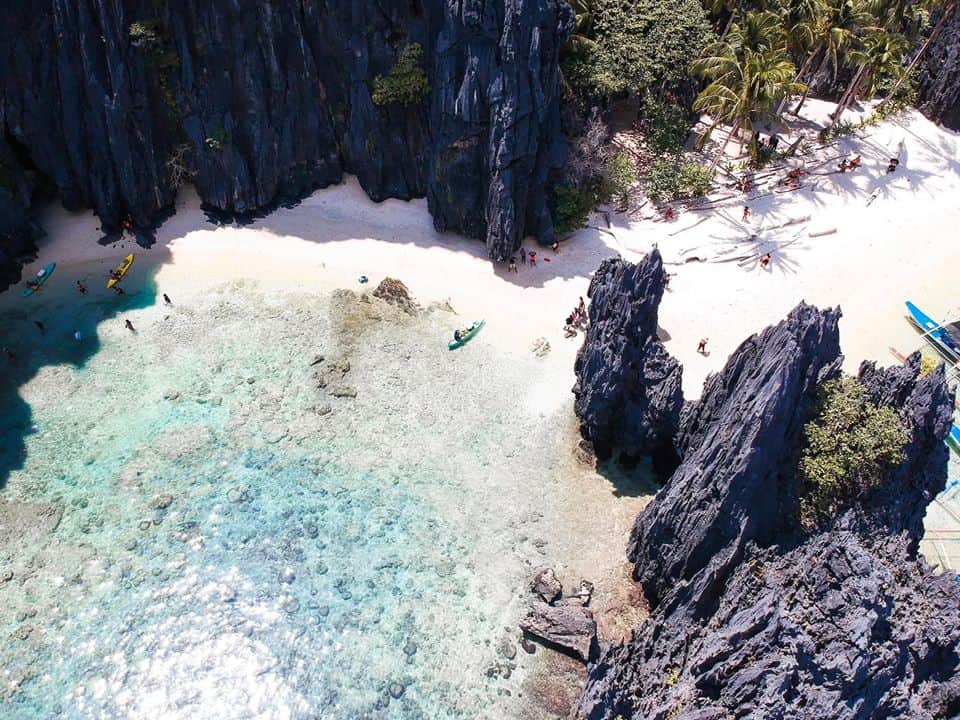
[81,288]
[129,326]
[167,300]
[523,256]
[702,346]
[764,261]
[746,213]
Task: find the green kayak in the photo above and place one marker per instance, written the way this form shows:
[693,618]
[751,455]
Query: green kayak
[468,336]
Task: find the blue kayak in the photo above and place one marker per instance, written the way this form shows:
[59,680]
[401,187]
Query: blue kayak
[945,337]
[42,277]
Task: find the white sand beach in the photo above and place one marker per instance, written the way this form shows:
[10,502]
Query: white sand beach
[890,237]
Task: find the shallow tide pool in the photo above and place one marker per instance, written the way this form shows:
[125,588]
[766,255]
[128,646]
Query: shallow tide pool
[283,506]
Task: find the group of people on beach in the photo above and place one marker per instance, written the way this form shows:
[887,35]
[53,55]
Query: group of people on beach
[576,320]
[530,257]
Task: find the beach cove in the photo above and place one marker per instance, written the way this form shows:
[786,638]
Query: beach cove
[242,525]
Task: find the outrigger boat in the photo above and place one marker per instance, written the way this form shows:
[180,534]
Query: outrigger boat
[945,337]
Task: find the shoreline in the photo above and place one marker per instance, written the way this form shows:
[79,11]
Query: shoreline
[880,255]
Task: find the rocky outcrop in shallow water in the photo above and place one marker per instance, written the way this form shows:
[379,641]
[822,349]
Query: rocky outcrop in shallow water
[113,104]
[755,615]
[628,389]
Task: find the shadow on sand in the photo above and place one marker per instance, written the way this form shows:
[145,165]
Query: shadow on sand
[25,348]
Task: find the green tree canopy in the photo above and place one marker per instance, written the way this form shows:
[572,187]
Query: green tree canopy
[644,44]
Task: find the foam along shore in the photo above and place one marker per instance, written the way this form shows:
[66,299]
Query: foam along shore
[891,238]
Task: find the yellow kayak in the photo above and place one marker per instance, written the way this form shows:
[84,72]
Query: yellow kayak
[120,271]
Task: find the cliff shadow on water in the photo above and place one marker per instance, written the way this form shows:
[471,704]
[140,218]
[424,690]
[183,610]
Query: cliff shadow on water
[61,313]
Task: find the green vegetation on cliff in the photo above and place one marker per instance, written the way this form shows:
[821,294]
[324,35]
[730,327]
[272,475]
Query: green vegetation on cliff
[847,446]
[406,83]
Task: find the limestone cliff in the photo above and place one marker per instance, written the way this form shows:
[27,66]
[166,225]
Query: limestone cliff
[112,103]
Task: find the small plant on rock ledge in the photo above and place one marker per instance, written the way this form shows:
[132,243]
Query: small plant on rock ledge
[406,83]
[848,445]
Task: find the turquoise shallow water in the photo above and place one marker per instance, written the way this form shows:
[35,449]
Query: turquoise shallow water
[238,536]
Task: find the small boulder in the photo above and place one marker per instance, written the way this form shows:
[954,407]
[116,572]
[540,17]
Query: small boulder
[161,502]
[570,628]
[546,585]
[396,293]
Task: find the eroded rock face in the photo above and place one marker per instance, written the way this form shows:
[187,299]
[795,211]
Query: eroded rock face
[567,627]
[262,102]
[938,76]
[628,389]
[755,617]
[396,293]
[740,443]
[830,629]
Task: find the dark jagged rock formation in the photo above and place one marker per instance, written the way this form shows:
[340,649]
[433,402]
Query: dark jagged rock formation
[739,445]
[753,615]
[628,389]
[115,102]
[938,79]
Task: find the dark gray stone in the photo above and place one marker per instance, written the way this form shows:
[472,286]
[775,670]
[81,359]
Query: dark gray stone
[570,628]
[546,585]
[628,389]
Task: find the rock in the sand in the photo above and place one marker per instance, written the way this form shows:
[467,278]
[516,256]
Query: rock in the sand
[396,293]
[396,690]
[161,502]
[628,389]
[540,347]
[506,648]
[528,646]
[570,628]
[343,391]
[546,585]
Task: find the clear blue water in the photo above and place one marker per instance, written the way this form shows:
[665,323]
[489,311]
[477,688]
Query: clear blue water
[316,556]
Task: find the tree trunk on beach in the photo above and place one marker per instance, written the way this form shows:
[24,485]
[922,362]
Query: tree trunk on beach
[723,148]
[847,98]
[798,78]
[806,92]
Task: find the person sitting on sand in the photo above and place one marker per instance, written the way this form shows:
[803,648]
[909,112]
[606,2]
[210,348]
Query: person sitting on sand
[842,167]
[855,162]
[582,306]
[893,165]
[668,214]
[555,247]
[764,261]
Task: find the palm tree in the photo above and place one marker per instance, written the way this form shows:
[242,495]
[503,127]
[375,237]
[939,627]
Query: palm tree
[880,57]
[799,18]
[836,31]
[748,73]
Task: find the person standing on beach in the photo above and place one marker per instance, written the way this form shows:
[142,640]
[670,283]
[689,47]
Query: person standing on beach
[533,259]
[746,213]
[582,306]
[702,347]
[555,247]
[523,256]
[167,300]
[513,265]
[129,326]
